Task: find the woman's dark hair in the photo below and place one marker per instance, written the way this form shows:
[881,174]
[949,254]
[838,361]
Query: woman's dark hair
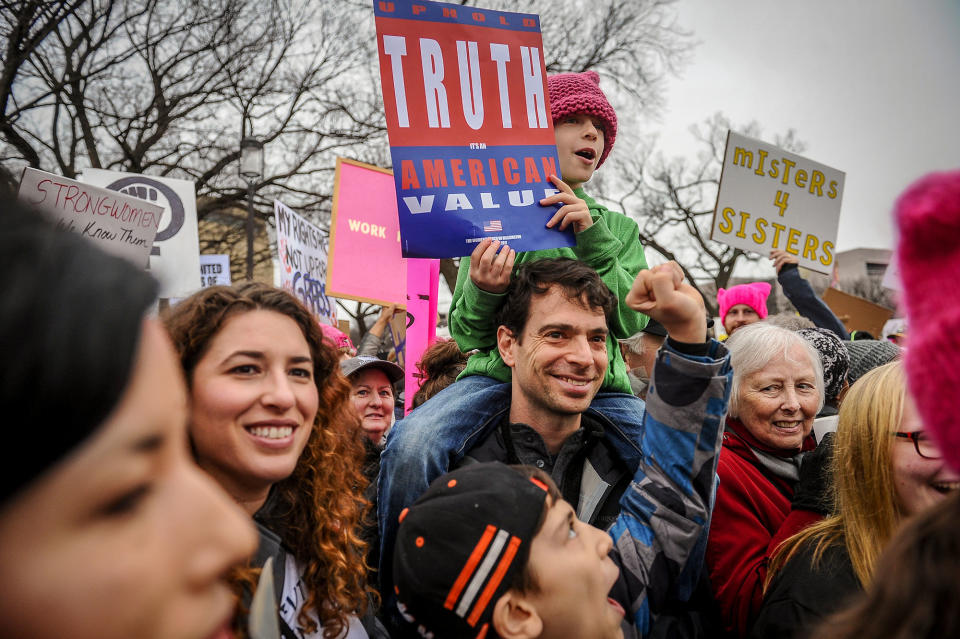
[579,283]
[70,323]
[317,509]
[439,367]
[915,585]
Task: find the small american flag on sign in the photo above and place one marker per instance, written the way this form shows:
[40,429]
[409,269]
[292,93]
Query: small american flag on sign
[492,226]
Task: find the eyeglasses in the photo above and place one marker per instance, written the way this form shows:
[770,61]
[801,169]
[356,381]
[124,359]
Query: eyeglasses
[925,446]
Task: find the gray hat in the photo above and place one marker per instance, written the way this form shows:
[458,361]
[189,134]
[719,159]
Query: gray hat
[356,364]
[867,354]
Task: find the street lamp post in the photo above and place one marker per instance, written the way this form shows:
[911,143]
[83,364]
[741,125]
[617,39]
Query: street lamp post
[251,170]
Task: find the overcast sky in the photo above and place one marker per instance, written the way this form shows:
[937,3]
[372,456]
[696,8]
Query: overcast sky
[872,88]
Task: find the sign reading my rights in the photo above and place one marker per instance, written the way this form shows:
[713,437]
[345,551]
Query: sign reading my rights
[772,199]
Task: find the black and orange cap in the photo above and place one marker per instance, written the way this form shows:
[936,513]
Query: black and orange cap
[460,546]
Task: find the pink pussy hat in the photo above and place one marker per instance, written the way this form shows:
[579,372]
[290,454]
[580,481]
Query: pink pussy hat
[572,93]
[928,253]
[753,295]
[336,338]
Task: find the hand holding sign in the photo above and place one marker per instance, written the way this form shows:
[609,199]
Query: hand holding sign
[574,210]
[782,257]
[490,270]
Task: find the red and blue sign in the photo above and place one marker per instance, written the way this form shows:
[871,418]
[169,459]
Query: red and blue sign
[468,116]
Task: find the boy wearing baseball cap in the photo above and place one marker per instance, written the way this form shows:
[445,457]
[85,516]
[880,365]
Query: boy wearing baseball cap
[493,551]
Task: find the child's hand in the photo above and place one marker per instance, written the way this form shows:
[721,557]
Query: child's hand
[489,270]
[574,210]
[662,294]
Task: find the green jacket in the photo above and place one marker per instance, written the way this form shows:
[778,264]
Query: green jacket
[611,246]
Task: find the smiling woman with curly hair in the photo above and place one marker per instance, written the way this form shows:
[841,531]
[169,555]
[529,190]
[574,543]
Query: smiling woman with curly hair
[271,421]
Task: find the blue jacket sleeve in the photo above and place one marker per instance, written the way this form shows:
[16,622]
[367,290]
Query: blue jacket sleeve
[801,295]
[660,535]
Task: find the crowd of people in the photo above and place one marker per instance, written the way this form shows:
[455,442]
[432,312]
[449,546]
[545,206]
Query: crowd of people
[583,459]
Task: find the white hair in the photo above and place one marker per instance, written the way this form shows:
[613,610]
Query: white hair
[754,346]
[636,343]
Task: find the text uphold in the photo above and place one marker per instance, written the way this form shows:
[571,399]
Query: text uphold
[120,224]
[772,199]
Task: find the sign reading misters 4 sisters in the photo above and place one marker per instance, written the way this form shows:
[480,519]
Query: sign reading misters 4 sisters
[772,199]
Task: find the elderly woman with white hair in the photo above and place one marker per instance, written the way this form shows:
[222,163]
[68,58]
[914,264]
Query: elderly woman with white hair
[777,391]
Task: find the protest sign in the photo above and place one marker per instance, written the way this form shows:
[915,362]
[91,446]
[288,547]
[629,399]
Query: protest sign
[423,280]
[175,256]
[365,261]
[302,248]
[471,137]
[215,270]
[772,199]
[120,225]
[398,336]
[857,313]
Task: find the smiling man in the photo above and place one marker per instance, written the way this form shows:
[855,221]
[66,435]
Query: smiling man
[553,335]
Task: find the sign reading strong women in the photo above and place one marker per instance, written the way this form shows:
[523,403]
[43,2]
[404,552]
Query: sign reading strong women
[471,138]
[772,199]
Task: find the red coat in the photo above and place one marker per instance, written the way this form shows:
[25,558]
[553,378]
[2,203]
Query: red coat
[752,516]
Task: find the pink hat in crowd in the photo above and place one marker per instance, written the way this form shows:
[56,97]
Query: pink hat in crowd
[337,338]
[572,93]
[928,254]
[753,295]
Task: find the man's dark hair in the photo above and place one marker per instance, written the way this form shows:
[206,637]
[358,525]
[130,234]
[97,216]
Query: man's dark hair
[579,283]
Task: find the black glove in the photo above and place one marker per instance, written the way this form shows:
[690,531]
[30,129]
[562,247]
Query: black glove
[814,491]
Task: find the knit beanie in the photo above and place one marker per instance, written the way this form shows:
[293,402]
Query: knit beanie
[867,354]
[572,93]
[336,338]
[928,254]
[753,295]
[833,357]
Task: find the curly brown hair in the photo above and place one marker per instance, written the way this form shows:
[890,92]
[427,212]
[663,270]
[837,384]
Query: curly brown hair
[316,510]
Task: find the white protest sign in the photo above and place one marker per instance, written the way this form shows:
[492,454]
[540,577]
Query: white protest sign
[175,257]
[119,224]
[215,270]
[772,199]
[302,248]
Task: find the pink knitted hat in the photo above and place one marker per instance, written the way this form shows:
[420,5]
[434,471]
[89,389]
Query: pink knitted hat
[335,337]
[928,253]
[753,295]
[580,93]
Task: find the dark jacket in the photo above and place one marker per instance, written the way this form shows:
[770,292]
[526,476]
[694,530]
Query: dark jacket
[801,295]
[592,477]
[802,594]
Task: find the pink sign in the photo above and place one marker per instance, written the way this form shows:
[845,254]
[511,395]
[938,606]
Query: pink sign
[364,258]
[423,280]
